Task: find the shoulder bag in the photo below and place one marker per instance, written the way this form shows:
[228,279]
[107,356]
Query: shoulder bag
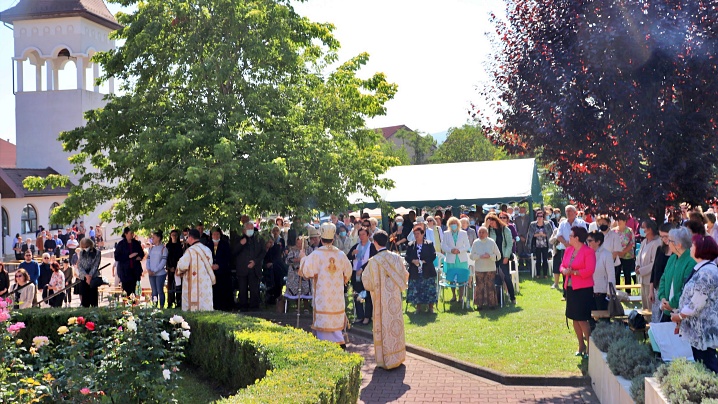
[615,308]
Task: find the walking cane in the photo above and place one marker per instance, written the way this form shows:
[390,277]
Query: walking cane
[299,293]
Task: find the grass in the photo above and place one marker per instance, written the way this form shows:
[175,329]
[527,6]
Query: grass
[529,338]
[194,388]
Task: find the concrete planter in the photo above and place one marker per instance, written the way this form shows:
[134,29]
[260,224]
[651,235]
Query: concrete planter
[654,394]
[608,387]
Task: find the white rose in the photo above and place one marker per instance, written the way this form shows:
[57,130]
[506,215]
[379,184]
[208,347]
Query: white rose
[186,333]
[166,374]
[165,335]
[176,319]
[185,325]
[131,325]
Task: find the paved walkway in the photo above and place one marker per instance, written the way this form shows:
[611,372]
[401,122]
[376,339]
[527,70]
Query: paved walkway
[420,380]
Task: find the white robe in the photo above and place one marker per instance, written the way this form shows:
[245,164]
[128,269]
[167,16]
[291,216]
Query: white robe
[330,270]
[195,267]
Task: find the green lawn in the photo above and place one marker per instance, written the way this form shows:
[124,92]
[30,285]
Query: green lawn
[529,338]
[194,388]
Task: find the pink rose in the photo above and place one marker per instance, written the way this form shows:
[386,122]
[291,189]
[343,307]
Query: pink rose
[15,328]
[85,391]
[90,326]
[81,320]
[4,316]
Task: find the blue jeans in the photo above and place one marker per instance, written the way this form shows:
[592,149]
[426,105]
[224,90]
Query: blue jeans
[158,284]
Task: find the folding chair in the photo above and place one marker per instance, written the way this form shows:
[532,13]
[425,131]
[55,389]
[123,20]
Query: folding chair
[287,297]
[444,283]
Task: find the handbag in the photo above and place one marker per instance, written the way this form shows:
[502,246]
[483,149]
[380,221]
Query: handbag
[615,308]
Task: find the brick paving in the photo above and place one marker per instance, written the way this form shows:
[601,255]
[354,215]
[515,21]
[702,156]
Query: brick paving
[420,380]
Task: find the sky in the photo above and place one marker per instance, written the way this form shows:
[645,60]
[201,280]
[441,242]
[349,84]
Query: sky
[434,50]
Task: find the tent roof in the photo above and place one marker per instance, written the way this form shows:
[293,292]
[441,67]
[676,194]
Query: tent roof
[459,184]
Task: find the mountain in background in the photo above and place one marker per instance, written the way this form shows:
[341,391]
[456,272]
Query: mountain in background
[439,137]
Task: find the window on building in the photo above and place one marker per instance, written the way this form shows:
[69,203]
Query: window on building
[5,227]
[28,220]
[54,226]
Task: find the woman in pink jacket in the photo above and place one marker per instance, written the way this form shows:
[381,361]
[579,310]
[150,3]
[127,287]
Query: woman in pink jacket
[577,267]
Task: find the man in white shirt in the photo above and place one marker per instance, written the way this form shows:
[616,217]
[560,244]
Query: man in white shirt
[564,232]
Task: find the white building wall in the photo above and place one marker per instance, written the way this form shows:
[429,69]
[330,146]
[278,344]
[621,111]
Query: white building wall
[39,119]
[14,207]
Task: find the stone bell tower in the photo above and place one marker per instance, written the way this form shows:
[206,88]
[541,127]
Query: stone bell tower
[51,36]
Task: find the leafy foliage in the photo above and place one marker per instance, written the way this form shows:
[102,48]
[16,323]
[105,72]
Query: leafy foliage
[225,108]
[130,356]
[389,149]
[621,97]
[467,143]
[638,388]
[421,145]
[629,358]
[687,382]
[606,334]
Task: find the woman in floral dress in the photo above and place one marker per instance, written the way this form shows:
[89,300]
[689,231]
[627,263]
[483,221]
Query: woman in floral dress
[292,261]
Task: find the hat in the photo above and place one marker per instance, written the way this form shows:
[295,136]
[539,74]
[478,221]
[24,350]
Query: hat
[328,230]
[313,232]
[419,219]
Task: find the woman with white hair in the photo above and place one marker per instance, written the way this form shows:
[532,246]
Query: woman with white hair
[469,231]
[678,269]
[456,246]
[485,253]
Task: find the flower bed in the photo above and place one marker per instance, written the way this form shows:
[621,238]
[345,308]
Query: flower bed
[269,363]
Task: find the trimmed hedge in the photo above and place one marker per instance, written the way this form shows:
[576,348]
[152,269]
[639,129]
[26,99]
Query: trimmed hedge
[268,362]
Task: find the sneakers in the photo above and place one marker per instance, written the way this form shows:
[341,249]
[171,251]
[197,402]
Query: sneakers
[554,286]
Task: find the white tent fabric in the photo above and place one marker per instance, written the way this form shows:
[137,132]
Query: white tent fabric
[483,181]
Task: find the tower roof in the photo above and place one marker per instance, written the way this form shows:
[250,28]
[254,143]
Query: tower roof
[93,10]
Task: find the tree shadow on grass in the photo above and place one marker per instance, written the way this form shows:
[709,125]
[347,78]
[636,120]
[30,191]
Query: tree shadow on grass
[421,319]
[385,385]
[497,313]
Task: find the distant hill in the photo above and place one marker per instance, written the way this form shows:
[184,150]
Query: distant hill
[439,137]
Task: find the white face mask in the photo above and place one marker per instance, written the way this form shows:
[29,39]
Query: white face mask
[215,240]
[249,233]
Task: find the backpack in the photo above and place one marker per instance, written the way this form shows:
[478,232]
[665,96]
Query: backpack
[636,321]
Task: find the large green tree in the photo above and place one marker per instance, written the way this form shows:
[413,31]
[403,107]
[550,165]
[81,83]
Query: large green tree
[226,108]
[467,143]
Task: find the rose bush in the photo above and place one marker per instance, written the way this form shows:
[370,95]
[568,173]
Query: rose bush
[128,356]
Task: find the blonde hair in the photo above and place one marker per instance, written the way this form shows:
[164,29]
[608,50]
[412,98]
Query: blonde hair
[373,221]
[453,220]
[87,243]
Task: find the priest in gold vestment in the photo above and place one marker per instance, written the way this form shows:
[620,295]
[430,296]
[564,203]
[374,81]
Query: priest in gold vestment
[330,270]
[386,278]
[195,268]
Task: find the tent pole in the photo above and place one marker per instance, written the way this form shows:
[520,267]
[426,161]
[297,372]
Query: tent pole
[531,209]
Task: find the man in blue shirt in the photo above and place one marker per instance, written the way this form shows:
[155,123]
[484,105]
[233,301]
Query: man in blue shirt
[32,267]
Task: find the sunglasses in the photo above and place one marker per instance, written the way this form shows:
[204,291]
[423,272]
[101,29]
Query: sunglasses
[19,276]
[590,240]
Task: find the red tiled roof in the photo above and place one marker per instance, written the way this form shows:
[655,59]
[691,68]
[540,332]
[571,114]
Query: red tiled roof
[390,131]
[94,10]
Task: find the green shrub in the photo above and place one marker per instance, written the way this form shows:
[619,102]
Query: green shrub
[638,388]
[294,367]
[607,333]
[687,382]
[629,358]
[270,363]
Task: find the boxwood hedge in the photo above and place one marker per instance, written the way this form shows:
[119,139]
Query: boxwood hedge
[265,362]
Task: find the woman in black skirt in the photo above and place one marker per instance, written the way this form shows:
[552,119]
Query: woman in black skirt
[577,267]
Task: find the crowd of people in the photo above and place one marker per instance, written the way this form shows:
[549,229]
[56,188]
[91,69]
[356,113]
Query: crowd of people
[204,270]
